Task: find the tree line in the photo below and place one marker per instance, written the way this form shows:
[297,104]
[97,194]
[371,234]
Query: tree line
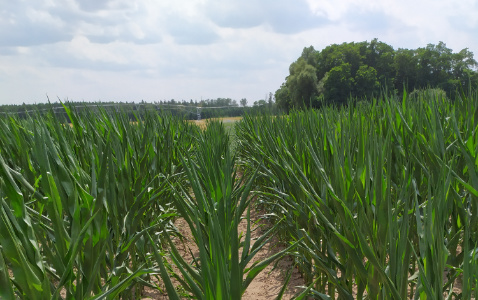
[208,108]
[360,70]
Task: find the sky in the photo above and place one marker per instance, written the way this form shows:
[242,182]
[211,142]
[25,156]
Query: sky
[152,50]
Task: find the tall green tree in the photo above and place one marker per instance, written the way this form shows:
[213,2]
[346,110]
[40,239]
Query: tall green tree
[406,69]
[340,71]
[282,96]
[339,84]
[309,54]
[381,56]
[462,64]
[302,83]
[365,82]
[434,65]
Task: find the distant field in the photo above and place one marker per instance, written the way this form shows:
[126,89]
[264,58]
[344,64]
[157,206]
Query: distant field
[202,123]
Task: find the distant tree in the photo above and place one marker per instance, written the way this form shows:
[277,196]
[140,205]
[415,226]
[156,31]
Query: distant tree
[406,69]
[260,103]
[340,71]
[309,54]
[282,96]
[463,68]
[365,82]
[270,100]
[381,56]
[339,84]
[243,102]
[302,83]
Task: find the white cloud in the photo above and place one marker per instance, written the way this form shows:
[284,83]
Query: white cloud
[188,31]
[29,25]
[183,49]
[286,17]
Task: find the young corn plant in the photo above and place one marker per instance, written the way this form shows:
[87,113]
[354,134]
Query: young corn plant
[382,195]
[213,204]
[77,201]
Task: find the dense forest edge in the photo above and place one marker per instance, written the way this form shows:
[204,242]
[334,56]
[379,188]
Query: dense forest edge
[364,70]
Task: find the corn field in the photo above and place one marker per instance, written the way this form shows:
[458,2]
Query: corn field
[87,210]
[78,201]
[373,201]
[381,197]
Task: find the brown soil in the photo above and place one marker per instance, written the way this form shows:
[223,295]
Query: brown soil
[269,282]
[184,247]
[266,285]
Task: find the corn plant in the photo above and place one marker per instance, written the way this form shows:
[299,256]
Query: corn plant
[381,196]
[213,203]
[77,201]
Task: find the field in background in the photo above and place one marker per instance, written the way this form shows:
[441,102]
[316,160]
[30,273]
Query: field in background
[228,121]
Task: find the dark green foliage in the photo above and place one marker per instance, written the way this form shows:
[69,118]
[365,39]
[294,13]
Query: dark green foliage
[363,69]
[366,83]
[283,98]
[339,84]
[302,83]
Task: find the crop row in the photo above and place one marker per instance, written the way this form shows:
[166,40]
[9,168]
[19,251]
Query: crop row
[382,197]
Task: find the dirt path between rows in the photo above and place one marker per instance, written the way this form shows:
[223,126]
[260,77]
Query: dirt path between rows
[267,285]
[269,282]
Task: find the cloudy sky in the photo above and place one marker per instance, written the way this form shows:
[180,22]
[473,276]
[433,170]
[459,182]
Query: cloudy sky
[127,50]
